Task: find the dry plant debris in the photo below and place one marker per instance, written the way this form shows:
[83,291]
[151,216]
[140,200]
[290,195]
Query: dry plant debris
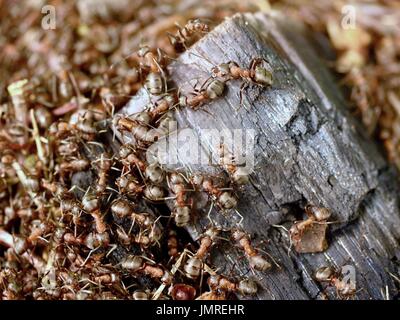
[80,221]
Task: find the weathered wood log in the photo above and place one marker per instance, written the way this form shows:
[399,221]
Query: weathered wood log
[308,149]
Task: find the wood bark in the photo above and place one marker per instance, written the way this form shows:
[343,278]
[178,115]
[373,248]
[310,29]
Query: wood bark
[308,149]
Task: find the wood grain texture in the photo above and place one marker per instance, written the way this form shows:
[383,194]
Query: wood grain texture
[308,150]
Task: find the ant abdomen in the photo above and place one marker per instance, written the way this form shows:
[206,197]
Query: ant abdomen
[193,267]
[154,174]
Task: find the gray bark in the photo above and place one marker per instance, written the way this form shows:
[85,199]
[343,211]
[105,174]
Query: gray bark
[308,149]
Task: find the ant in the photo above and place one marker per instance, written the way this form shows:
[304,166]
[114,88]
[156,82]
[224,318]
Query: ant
[239,175]
[155,81]
[245,287]
[152,230]
[172,244]
[256,73]
[209,90]
[103,163]
[149,60]
[193,265]
[137,264]
[225,199]
[91,204]
[182,210]
[160,107]
[182,39]
[152,172]
[73,165]
[310,235]
[139,126]
[333,278]
[257,261]
[128,184]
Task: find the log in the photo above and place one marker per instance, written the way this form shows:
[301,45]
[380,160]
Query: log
[308,149]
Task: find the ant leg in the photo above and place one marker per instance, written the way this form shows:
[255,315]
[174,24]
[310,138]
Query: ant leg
[140,74]
[253,63]
[241,217]
[243,256]
[231,271]
[205,83]
[269,255]
[161,54]
[206,111]
[180,28]
[184,45]
[209,213]
[201,276]
[242,88]
[163,77]
[194,83]
[256,61]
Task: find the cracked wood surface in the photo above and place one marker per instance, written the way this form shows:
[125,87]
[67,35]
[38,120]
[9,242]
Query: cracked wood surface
[308,149]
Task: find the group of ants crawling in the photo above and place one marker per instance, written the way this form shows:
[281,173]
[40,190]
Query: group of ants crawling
[106,240]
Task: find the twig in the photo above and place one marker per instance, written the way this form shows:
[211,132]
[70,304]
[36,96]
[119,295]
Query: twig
[36,137]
